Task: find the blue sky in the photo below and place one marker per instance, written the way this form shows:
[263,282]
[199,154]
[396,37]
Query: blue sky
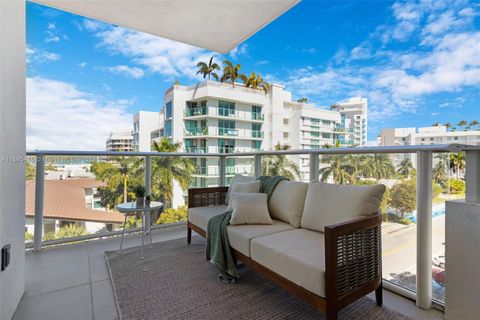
[418,62]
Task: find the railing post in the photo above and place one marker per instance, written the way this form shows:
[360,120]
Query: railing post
[314,163]
[472,176]
[148,175]
[257,165]
[424,229]
[39,196]
[222,164]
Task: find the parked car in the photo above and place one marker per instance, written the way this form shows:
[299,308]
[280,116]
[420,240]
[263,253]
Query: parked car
[439,262]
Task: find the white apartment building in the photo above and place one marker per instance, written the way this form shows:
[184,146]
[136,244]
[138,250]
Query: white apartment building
[354,120]
[213,117]
[119,141]
[424,136]
[144,123]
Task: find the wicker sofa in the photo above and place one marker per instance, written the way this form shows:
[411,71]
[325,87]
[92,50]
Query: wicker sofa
[328,269]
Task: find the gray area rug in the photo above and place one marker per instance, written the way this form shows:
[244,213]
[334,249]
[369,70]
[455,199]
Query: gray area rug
[175,282]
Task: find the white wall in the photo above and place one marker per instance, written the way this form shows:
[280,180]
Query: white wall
[12,144]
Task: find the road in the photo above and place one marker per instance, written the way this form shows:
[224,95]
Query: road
[399,251]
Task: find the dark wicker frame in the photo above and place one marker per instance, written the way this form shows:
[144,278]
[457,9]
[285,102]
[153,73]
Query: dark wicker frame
[353,258]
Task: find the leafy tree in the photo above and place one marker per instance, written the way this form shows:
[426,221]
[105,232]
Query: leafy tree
[379,166]
[70,230]
[403,197]
[439,173]
[255,81]
[29,171]
[28,236]
[457,163]
[171,215]
[280,165]
[462,123]
[231,73]
[166,170]
[457,186]
[405,167]
[208,69]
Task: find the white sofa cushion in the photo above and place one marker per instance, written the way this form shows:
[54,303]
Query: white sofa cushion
[241,235]
[243,187]
[235,179]
[297,255]
[199,216]
[287,201]
[328,204]
[249,208]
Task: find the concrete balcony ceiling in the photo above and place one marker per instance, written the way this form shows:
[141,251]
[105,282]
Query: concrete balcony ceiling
[215,25]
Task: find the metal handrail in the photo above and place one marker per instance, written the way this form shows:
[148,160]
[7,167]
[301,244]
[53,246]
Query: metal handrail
[326,151]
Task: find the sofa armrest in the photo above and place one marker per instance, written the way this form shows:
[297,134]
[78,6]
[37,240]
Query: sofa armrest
[201,197]
[353,258]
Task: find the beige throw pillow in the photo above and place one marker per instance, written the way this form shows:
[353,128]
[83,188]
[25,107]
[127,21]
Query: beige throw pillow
[237,178]
[328,204]
[249,208]
[244,187]
[287,201]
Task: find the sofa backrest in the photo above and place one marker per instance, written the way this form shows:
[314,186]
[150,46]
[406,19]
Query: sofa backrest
[328,204]
[287,200]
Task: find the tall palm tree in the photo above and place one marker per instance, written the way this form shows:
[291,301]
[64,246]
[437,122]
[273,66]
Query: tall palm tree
[457,162]
[280,165]
[208,69]
[255,81]
[405,167]
[439,173]
[379,166]
[166,170]
[436,124]
[119,172]
[474,123]
[231,73]
[462,123]
[338,169]
[448,125]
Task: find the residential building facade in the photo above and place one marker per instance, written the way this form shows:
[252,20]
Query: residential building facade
[119,142]
[144,123]
[354,120]
[214,117]
[424,136]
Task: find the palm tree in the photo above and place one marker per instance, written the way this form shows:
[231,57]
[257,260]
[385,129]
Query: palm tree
[436,124]
[338,169]
[208,69]
[255,81]
[457,162]
[474,123]
[118,173]
[166,170]
[405,167]
[379,166]
[439,173]
[448,125]
[303,100]
[462,123]
[280,165]
[231,73]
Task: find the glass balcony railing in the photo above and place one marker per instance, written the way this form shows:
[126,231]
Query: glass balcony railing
[202,131]
[257,134]
[224,112]
[196,149]
[227,132]
[192,112]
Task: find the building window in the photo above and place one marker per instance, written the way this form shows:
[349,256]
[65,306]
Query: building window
[285,121]
[285,135]
[226,108]
[326,135]
[168,128]
[256,145]
[315,134]
[168,107]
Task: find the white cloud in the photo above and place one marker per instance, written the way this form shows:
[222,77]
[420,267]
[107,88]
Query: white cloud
[52,38]
[51,26]
[35,55]
[93,25]
[239,51]
[61,117]
[82,64]
[158,55]
[132,72]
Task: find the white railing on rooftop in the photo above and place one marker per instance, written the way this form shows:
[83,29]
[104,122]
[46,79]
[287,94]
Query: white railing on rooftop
[424,154]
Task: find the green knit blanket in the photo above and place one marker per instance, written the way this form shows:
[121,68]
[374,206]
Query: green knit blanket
[218,247]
